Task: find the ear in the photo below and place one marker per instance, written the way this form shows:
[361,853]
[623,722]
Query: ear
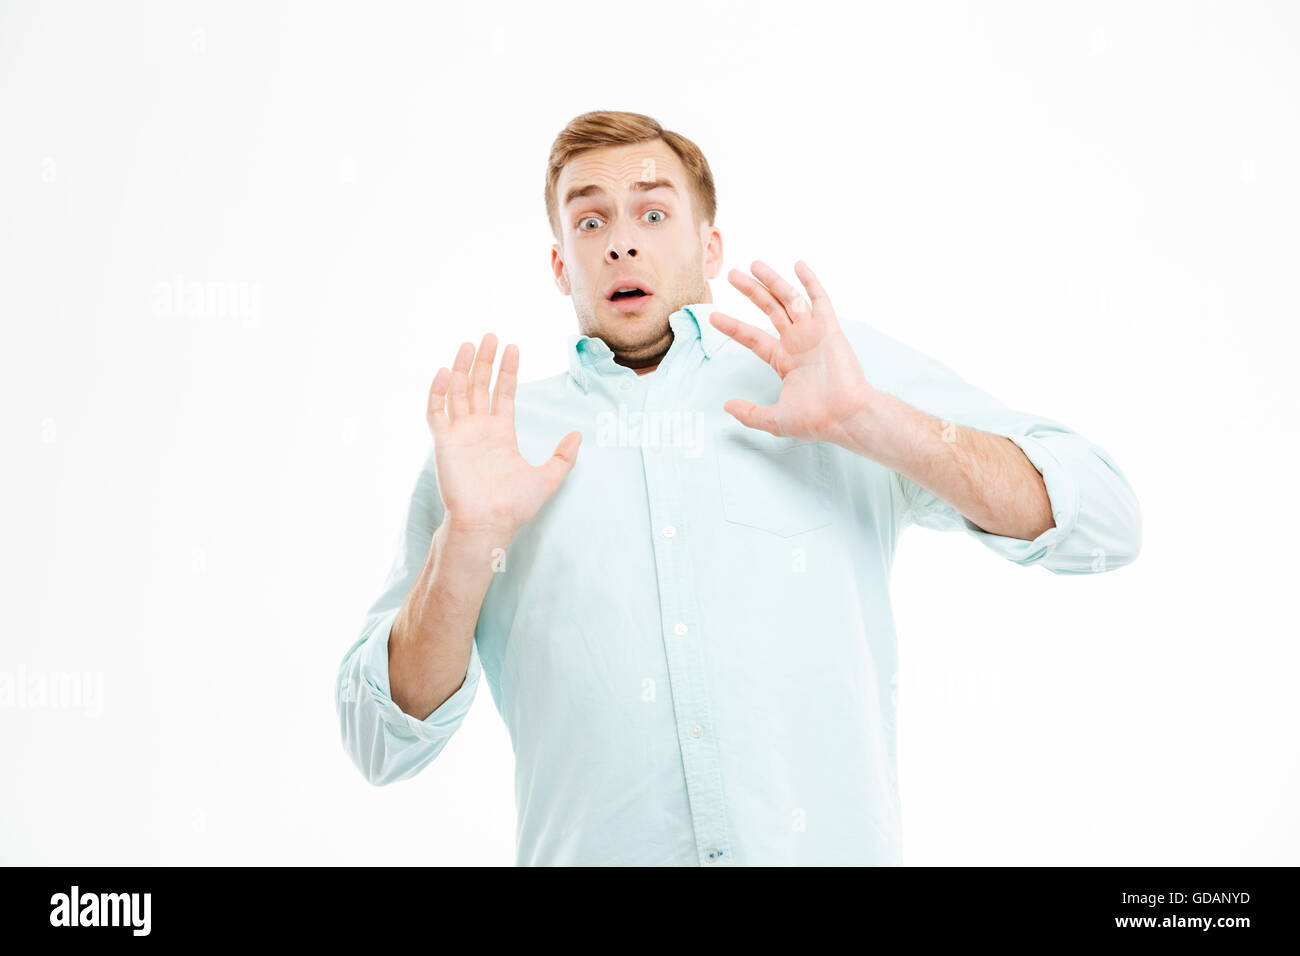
[711,242]
[561,273]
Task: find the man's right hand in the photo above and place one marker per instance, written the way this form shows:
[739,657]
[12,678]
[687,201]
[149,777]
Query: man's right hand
[486,485]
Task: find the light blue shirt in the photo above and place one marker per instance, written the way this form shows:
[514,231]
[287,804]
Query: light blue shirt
[691,643]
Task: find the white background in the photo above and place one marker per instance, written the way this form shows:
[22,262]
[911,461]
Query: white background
[1089,210]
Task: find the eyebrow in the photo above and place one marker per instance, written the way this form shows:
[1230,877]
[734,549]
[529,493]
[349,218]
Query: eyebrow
[641,185]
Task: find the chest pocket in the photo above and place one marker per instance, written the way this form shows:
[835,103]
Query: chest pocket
[781,485]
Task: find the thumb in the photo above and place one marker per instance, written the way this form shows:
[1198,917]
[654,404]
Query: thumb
[561,463]
[750,415]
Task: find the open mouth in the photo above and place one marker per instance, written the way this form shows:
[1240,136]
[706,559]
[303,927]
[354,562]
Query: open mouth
[629,298]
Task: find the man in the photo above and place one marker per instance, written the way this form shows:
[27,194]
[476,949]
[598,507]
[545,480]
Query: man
[687,627]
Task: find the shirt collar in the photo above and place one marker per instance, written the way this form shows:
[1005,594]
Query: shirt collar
[691,321]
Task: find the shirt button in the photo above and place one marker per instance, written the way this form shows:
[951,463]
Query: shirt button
[679,628]
[627,384]
[669,531]
[696,730]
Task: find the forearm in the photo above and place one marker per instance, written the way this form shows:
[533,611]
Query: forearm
[429,645]
[986,477]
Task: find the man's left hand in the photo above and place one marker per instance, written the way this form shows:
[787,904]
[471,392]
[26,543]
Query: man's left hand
[823,390]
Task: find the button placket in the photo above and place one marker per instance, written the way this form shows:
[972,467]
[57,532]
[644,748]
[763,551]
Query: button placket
[701,762]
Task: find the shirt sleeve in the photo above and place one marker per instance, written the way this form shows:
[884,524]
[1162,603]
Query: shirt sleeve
[1098,524]
[384,742]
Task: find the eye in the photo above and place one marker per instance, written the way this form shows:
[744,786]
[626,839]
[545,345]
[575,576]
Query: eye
[655,212]
[582,223]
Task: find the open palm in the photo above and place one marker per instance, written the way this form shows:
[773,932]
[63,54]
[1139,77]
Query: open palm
[822,385]
[486,484]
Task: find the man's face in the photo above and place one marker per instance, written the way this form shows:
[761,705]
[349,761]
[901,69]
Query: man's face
[627,220]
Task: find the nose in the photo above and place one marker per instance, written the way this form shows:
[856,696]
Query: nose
[618,247]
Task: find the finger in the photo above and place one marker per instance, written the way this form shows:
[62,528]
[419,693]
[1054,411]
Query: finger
[436,413]
[821,302]
[761,297]
[560,463]
[795,305]
[503,398]
[481,376]
[762,417]
[755,339]
[458,406]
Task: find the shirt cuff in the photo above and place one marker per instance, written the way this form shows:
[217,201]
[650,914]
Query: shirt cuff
[1063,493]
[374,674]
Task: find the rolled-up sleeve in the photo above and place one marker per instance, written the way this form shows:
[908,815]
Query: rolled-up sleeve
[384,742]
[1098,524]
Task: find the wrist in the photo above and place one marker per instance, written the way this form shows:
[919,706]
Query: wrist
[877,430]
[469,529]
[462,560]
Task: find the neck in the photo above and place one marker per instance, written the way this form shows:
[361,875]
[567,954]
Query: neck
[647,363]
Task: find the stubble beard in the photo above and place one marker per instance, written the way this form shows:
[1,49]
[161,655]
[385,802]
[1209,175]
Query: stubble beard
[638,338]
